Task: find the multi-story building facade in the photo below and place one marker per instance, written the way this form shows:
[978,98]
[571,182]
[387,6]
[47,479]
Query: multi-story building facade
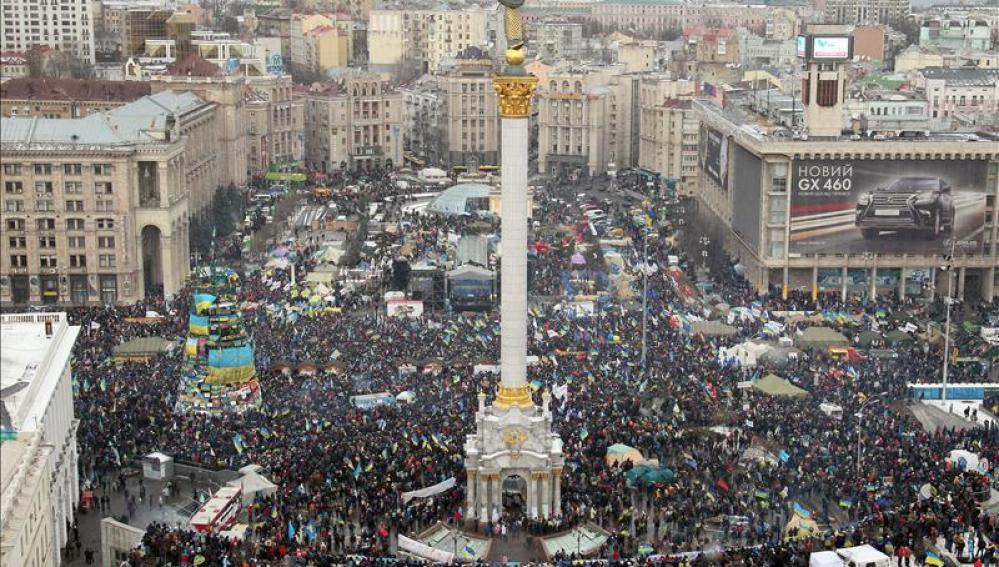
[13,64]
[956,33]
[853,12]
[423,121]
[354,124]
[555,38]
[228,93]
[65,98]
[471,114]
[952,92]
[837,213]
[586,121]
[40,499]
[320,41]
[655,18]
[668,137]
[400,39]
[274,123]
[67,27]
[97,209]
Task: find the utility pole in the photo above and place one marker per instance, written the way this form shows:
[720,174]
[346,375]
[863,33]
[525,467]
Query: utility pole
[949,300]
[645,298]
[860,425]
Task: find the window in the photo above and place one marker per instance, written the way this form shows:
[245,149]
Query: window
[45,224]
[74,224]
[72,169]
[78,261]
[43,169]
[44,205]
[105,242]
[18,261]
[48,261]
[43,187]
[12,169]
[106,260]
[103,169]
[72,187]
[76,241]
[102,188]
[15,224]
[46,242]
[13,187]
[17,242]
[105,224]
[105,206]
[74,206]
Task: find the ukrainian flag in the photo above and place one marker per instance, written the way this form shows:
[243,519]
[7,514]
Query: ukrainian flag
[934,559]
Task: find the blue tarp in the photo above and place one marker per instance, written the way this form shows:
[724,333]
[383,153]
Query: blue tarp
[235,357]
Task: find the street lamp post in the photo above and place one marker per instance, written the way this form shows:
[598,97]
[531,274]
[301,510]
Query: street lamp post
[860,424]
[948,301]
[645,297]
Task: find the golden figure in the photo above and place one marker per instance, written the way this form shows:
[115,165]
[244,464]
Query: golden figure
[513,24]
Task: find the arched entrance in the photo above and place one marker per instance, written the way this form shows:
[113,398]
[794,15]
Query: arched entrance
[152,260]
[514,495]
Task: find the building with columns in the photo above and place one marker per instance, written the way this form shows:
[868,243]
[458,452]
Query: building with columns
[41,486]
[470,111]
[97,209]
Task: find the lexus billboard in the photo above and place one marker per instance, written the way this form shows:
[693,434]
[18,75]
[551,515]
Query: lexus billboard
[887,206]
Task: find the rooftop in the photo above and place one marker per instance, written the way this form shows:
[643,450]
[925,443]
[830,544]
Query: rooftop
[194,65]
[73,90]
[133,123]
[32,362]
[970,77]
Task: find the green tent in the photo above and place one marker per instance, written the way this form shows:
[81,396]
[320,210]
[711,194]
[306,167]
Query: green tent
[143,347]
[644,475]
[897,337]
[712,329]
[821,338]
[773,385]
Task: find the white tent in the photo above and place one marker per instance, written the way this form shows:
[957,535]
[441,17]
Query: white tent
[970,461]
[251,468]
[253,484]
[864,555]
[824,559]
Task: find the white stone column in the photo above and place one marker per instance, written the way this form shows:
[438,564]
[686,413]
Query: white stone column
[167,268]
[557,496]
[483,498]
[513,250]
[496,506]
[470,486]
[532,496]
[544,503]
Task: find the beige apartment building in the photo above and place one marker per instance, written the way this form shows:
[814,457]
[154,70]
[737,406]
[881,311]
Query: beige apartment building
[97,209]
[320,41]
[649,17]
[355,123]
[471,115]
[586,121]
[65,26]
[274,122]
[668,138]
[65,98]
[400,39]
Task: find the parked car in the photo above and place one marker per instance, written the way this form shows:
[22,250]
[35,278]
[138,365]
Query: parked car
[920,204]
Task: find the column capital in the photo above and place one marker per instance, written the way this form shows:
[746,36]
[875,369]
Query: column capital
[515,93]
[514,396]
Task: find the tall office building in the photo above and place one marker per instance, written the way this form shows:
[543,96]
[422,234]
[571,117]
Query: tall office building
[853,12]
[65,26]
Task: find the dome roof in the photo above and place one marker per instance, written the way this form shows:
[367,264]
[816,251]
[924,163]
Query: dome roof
[453,201]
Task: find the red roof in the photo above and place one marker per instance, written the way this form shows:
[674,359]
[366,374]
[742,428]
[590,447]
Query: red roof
[73,90]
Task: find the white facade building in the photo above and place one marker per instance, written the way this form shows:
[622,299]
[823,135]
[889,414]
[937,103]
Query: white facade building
[65,26]
[26,515]
[38,401]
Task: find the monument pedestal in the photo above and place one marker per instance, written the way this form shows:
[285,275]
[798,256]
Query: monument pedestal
[514,447]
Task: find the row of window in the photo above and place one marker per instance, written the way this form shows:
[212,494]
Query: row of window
[67,168]
[48,188]
[48,205]
[50,224]
[103,242]
[75,261]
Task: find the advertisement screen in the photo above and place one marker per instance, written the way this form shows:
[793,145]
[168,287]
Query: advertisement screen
[802,46]
[746,195]
[830,48]
[887,206]
[714,155]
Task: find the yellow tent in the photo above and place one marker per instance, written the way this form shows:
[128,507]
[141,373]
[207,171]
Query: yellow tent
[618,454]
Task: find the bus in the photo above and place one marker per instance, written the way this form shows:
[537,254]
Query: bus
[219,513]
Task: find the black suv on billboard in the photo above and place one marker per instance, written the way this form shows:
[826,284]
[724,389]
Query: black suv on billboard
[922,204]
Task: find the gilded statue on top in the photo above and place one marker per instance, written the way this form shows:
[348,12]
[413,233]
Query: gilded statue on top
[513,24]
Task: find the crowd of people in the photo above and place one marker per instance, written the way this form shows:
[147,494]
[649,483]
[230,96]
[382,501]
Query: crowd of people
[341,469]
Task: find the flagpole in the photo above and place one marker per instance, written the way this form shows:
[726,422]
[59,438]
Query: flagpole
[645,297]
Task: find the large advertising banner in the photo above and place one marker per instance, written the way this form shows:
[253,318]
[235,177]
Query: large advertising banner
[887,206]
[714,155]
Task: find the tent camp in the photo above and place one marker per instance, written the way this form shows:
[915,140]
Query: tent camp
[618,454]
[253,484]
[773,385]
[824,559]
[864,555]
[759,455]
[141,349]
[712,329]
[821,338]
[800,526]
